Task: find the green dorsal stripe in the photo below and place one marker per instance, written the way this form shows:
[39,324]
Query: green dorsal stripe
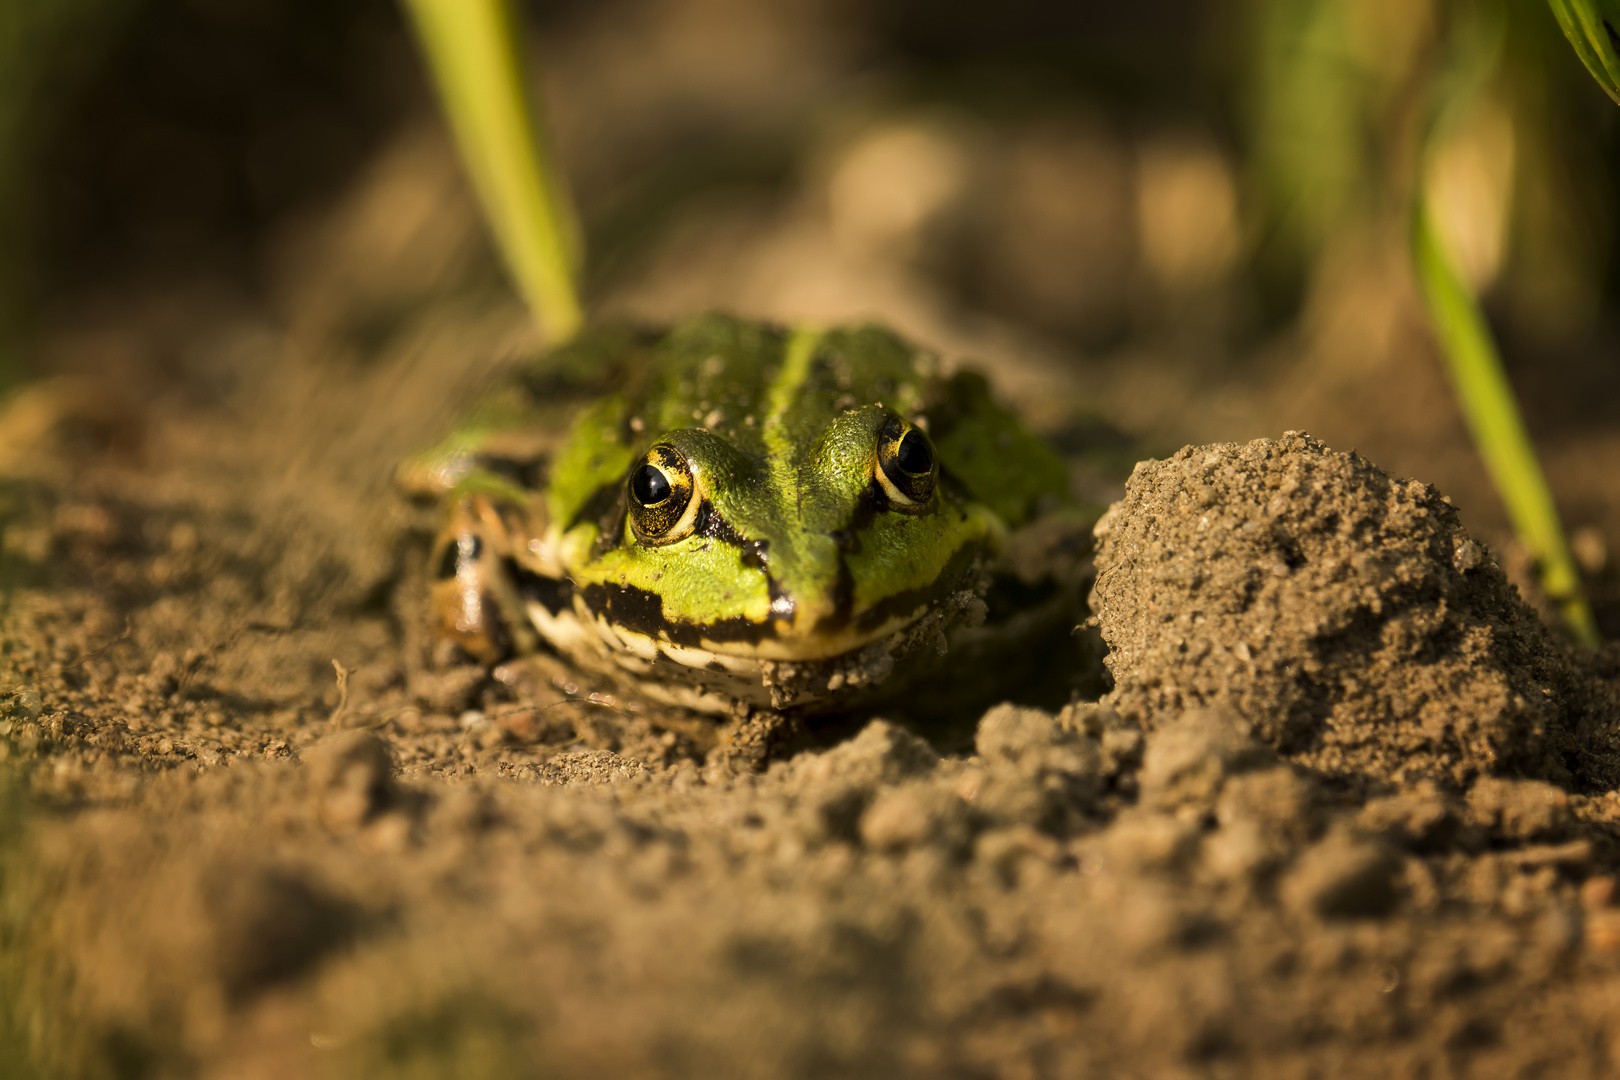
[783,394]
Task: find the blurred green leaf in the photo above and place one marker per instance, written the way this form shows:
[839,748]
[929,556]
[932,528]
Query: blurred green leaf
[1471,75]
[1492,412]
[1593,27]
[1310,119]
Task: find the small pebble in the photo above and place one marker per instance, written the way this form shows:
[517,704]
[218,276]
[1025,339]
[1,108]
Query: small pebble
[29,703]
[350,778]
[1344,876]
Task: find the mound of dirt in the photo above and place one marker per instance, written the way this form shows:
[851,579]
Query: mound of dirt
[1346,615]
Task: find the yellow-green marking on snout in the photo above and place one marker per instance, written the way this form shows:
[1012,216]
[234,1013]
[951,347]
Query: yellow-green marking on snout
[747,497]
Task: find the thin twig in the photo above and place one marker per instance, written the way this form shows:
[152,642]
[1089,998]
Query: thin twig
[343,674]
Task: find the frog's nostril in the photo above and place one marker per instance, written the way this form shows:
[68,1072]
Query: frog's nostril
[756,555]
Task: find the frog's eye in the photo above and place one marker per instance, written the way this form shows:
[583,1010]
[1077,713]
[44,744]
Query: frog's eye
[907,466]
[663,496]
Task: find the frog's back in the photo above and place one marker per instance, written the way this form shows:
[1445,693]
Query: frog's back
[729,374]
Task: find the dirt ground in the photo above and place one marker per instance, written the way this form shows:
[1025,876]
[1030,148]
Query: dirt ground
[1349,808]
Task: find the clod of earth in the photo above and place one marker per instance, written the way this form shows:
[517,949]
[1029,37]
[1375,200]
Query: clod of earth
[1345,615]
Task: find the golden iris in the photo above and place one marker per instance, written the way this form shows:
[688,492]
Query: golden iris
[663,496]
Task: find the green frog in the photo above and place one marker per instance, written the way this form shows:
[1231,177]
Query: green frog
[748,515]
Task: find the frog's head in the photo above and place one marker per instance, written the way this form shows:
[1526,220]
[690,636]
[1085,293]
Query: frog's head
[800,544]
[756,495]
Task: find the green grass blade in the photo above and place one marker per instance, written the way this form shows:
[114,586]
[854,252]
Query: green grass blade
[473,50]
[1492,412]
[1593,27]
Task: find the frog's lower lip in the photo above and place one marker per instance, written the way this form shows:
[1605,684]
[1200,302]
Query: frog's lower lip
[814,667]
[739,657]
[634,618]
[698,650]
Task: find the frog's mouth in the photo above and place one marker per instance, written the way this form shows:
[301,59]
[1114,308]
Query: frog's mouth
[633,619]
[686,664]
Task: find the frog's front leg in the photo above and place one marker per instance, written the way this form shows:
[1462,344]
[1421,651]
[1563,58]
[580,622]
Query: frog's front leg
[476,600]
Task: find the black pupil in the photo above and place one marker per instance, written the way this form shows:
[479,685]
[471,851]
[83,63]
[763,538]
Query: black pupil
[913,454]
[650,486]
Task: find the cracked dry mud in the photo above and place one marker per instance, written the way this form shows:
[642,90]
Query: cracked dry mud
[1348,811]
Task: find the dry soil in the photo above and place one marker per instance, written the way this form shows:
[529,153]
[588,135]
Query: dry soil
[1349,809]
